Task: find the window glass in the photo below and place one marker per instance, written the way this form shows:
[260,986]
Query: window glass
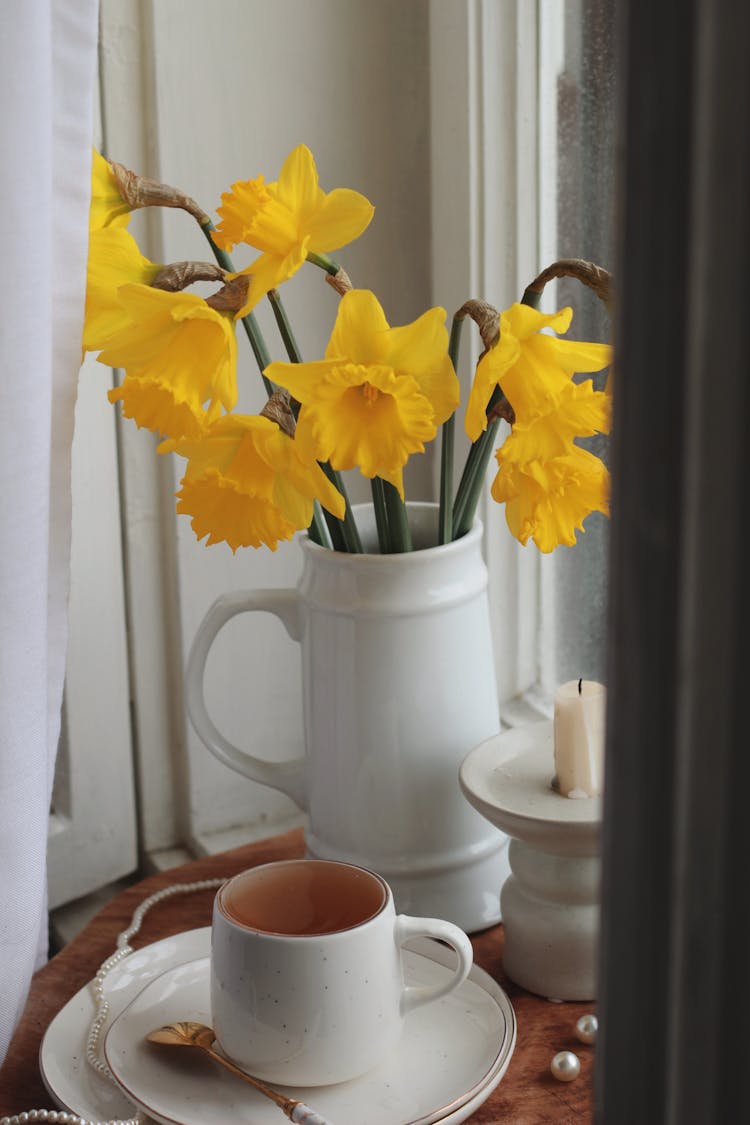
[584,229]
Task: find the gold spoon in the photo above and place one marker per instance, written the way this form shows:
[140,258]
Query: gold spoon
[190,1034]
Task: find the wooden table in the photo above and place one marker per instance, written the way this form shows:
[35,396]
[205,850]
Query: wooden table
[527,1095]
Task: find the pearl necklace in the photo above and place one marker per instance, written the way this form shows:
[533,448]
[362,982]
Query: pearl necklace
[123,949]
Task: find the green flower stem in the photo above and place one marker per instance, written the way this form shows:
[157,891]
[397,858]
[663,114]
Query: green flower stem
[532,297]
[468,480]
[445,517]
[335,530]
[324,262]
[318,529]
[381,516]
[398,524]
[447,445]
[249,323]
[472,479]
[285,328]
[345,532]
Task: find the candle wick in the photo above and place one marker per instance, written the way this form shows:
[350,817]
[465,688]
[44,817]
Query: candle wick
[580,682]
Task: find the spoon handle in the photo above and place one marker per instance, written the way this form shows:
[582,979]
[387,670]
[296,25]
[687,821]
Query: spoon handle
[303,1115]
[296,1111]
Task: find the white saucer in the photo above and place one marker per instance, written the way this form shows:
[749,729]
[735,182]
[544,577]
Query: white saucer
[452,1055]
[448,1054]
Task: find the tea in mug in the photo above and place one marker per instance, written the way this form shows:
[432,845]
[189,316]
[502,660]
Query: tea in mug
[302,897]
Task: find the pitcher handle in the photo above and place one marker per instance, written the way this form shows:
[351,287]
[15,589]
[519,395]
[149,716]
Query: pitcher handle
[285,604]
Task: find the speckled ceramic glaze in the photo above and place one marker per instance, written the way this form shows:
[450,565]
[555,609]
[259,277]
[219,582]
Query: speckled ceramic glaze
[309,1010]
[398,685]
[451,1056]
[550,901]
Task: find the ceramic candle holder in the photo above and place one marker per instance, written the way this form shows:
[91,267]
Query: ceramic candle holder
[550,901]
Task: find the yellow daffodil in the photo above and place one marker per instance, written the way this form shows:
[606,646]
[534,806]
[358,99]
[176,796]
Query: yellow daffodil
[529,365]
[380,392]
[287,220]
[108,208]
[179,354]
[576,410]
[114,260]
[547,500]
[248,483]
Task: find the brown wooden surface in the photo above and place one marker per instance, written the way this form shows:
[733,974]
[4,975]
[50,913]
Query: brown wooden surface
[527,1095]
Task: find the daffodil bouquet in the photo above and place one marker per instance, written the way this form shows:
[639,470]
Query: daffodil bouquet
[376,397]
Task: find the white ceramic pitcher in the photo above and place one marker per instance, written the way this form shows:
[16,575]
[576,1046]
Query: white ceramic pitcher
[398,686]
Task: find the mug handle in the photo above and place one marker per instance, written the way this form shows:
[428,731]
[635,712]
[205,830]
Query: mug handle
[285,604]
[407,927]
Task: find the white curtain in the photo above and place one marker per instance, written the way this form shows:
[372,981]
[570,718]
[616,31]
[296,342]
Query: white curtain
[47,68]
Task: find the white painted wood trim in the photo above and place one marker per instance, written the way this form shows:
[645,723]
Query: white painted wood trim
[486,204]
[130,136]
[551,62]
[92,831]
[92,834]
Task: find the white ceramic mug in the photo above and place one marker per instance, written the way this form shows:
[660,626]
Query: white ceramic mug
[307,985]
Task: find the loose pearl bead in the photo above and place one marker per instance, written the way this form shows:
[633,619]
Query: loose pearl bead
[565,1066]
[586,1028]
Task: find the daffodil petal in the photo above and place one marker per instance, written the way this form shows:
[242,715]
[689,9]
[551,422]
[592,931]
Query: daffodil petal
[142,302]
[300,379]
[108,208]
[296,473]
[523,321]
[341,217]
[572,355]
[114,260]
[359,334]
[269,271]
[490,372]
[531,387]
[475,418]
[418,346]
[297,186]
[421,350]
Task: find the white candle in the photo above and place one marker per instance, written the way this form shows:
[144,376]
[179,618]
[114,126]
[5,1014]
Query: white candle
[579,737]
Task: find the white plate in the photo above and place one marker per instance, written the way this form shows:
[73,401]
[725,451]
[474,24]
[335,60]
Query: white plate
[71,1082]
[451,1057]
[448,1054]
